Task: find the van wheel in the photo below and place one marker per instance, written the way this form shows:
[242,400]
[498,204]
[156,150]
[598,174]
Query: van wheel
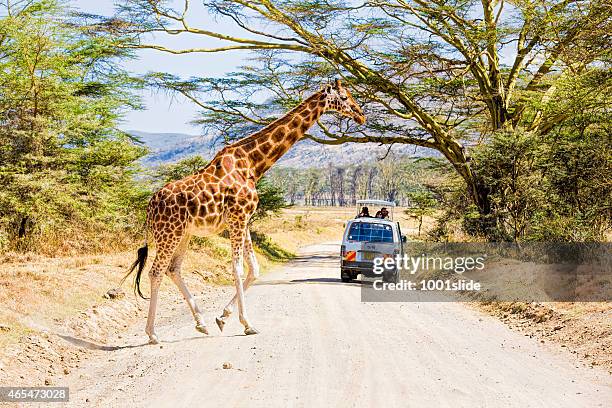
[391,277]
[345,276]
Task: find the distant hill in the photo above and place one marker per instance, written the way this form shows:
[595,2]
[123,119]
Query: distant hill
[171,147]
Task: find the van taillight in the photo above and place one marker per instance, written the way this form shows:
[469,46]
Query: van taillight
[342,250]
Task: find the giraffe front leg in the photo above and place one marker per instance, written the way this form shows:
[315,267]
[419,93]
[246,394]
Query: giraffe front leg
[228,309]
[253,265]
[242,313]
[237,236]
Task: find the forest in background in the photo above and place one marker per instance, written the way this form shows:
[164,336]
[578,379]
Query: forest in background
[526,148]
[392,179]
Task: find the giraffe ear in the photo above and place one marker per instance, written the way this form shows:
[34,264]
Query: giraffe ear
[337,84]
[328,88]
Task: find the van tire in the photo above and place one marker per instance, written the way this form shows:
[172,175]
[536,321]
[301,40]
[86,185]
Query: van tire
[345,276]
[391,277]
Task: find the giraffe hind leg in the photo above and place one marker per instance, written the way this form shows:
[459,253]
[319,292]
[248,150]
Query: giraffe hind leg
[195,310]
[175,274]
[155,276]
[163,258]
[174,271]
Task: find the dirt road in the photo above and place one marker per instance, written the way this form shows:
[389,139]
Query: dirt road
[319,346]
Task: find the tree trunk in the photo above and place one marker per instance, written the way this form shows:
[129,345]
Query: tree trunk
[477,189]
[22,227]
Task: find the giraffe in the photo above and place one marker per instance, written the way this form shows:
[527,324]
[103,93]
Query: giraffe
[223,195]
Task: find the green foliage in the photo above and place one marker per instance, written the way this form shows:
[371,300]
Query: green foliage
[551,182]
[554,187]
[269,248]
[62,160]
[506,165]
[423,204]
[555,184]
[271,196]
[271,199]
[550,188]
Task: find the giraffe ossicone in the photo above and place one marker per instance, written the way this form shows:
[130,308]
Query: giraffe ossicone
[223,195]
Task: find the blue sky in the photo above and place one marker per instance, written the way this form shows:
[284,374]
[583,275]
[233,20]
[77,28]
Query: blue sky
[166,113]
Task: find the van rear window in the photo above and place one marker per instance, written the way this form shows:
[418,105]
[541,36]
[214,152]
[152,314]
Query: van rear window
[370,232]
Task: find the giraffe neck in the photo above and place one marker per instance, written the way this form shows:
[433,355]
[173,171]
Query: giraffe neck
[268,145]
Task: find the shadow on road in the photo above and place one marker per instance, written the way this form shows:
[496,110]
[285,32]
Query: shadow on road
[318,281]
[201,337]
[334,281]
[94,346]
[316,260]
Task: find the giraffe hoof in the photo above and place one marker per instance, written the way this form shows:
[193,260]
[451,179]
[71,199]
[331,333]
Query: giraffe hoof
[153,339]
[250,330]
[201,328]
[220,323]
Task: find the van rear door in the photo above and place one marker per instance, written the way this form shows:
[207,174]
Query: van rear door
[370,240]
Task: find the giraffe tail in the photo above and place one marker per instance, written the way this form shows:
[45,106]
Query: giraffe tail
[140,261]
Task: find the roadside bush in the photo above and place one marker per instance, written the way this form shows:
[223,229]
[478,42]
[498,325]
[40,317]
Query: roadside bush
[554,187]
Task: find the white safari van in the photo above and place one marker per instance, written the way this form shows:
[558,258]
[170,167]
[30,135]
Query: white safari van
[371,234]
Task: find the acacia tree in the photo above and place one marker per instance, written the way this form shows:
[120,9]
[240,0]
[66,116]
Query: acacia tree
[439,74]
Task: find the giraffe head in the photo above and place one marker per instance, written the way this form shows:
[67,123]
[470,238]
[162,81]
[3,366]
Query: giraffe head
[339,99]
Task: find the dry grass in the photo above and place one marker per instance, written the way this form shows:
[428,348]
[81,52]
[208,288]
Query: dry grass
[42,291]
[78,238]
[297,226]
[328,223]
